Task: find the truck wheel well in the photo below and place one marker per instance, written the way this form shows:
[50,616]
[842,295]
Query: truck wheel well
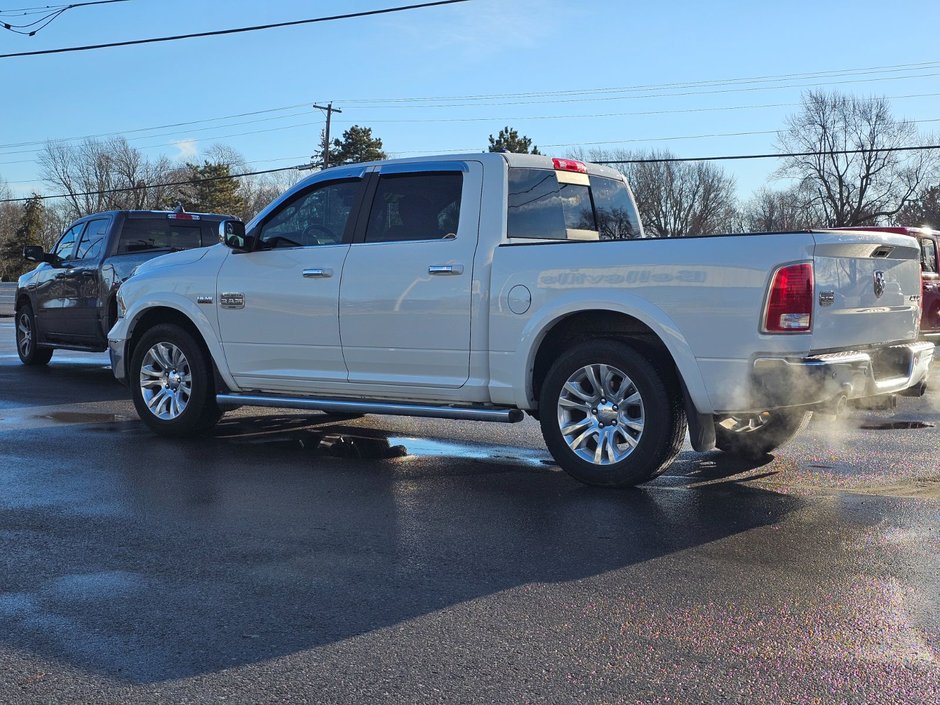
[155,317]
[609,325]
[21,302]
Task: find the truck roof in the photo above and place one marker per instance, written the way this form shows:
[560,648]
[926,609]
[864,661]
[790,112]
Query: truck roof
[152,213]
[533,161]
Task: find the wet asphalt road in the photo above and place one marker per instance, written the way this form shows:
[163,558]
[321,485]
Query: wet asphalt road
[308,559]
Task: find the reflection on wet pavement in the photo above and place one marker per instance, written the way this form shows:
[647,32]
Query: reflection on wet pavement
[896,426]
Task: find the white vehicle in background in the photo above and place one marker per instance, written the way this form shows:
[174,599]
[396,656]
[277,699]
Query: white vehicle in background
[488,285]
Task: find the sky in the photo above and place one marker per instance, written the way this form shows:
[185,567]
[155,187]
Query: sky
[698,79]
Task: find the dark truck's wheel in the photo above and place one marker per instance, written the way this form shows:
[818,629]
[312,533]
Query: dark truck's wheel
[755,435]
[27,347]
[609,416]
[171,382]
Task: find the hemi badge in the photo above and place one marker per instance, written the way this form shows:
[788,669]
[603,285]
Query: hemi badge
[203,299]
[230,300]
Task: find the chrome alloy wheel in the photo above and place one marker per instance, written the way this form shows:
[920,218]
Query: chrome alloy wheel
[166,382]
[24,335]
[600,414]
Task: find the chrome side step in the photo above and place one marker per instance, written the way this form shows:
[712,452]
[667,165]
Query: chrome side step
[346,406]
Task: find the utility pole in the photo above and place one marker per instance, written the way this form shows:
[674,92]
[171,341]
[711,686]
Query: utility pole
[326,142]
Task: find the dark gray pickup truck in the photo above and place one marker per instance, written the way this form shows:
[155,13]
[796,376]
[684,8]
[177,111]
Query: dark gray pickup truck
[68,301]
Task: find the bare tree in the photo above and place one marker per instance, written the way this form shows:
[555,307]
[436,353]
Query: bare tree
[859,188]
[681,198]
[770,211]
[98,175]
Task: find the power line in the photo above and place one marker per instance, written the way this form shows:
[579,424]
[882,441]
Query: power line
[52,13]
[782,155]
[172,124]
[608,98]
[648,160]
[144,187]
[837,73]
[236,30]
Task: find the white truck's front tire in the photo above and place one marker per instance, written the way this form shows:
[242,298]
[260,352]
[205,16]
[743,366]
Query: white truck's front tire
[171,383]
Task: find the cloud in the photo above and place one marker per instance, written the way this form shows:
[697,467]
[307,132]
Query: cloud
[477,30]
[187,149]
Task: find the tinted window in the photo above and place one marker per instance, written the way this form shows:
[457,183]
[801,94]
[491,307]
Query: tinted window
[540,206]
[140,235]
[415,207]
[93,241]
[928,255]
[617,217]
[66,244]
[317,217]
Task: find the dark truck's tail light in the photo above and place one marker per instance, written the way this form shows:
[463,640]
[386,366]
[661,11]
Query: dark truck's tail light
[790,302]
[569,165]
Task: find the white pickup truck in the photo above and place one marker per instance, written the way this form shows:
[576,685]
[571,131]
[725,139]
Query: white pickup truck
[484,286]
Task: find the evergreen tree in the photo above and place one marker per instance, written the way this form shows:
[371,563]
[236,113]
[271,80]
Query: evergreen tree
[211,189]
[28,232]
[509,140]
[924,211]
[357,145]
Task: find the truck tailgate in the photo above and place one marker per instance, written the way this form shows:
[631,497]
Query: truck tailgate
[867,289]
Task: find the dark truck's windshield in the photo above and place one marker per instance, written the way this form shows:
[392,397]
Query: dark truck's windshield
[543,204]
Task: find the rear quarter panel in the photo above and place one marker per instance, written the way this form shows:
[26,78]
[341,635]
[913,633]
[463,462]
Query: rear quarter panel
[702,296]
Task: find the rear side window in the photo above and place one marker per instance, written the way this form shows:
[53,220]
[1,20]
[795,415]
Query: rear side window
[415,207]
[140,235]
[544,204]
[928,255]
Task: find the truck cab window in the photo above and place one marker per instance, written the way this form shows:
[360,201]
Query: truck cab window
[928,256]
[66,244]
[141,235]
[92,243]
[317,217]
[544,205]
[415,207]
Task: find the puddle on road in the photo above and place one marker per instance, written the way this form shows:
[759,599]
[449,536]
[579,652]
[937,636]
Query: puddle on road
[423,447]
[896,426]
[81,417]
[363,447]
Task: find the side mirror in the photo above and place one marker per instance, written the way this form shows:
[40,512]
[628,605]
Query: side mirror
[33,253]
[232,234]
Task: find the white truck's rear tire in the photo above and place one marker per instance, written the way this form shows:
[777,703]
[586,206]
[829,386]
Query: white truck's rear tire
[609,415]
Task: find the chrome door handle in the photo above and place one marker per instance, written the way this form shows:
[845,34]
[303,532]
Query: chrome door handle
[445,269]
[317,273]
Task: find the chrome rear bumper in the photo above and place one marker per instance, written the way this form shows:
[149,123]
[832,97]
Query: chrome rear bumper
[819,379]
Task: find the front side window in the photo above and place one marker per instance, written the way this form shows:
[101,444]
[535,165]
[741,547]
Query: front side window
[93,241]
[317,217]
[415,207]
[66,244]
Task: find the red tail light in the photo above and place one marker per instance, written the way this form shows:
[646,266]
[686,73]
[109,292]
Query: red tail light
[790,304]
[569,165]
